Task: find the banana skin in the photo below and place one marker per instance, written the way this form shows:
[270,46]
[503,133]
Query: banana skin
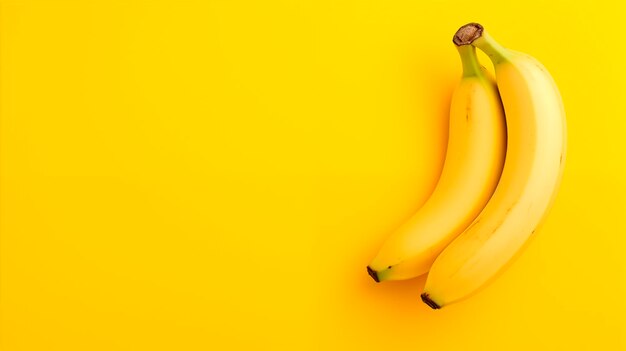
[473,165]
[533,168]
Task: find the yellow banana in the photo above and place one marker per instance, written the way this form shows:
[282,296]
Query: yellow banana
[472,167]
[536,142]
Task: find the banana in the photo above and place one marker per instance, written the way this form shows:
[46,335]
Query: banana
[536,145]
[472,168]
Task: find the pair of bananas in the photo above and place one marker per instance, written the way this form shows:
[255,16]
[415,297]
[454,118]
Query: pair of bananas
[503,165]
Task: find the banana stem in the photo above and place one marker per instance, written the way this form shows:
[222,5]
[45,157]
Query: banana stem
[496,52]
[474,34]
[471,67]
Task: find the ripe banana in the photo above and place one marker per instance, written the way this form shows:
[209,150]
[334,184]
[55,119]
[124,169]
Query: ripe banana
[472,168]
[532,172]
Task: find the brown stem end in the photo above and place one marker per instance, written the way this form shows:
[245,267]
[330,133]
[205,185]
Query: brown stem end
[467,34]
[373,274]
[432,304]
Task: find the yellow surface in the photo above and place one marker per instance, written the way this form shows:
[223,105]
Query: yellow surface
[194,175]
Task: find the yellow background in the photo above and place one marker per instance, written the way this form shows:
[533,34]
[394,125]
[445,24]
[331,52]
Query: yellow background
[196,175]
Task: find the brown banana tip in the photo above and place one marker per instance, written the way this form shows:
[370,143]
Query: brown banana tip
[467,34]
[373,274]
[432,304]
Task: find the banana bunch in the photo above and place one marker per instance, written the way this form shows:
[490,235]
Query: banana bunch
[503,166]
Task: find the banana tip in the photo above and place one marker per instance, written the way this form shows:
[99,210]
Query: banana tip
[467,34]
[427,300]
[373,274]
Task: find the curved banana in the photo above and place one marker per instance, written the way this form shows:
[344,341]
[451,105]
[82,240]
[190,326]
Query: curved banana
[472,168]
[532,172]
